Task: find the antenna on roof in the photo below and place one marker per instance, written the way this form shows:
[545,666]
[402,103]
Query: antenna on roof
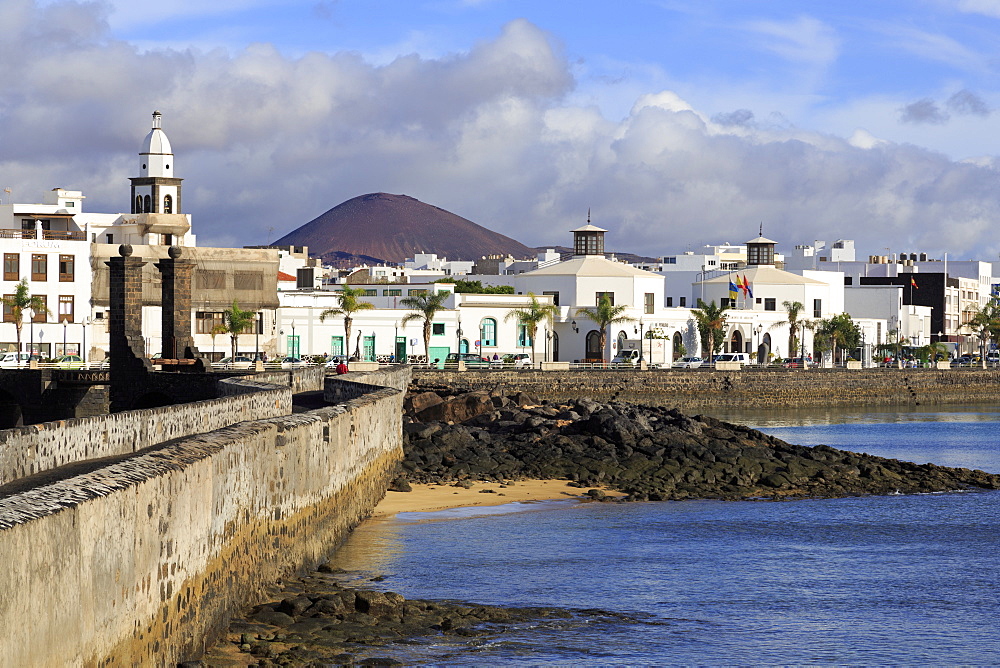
[761,229]
[588,215]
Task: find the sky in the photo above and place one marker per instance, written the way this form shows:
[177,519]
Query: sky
[676,124]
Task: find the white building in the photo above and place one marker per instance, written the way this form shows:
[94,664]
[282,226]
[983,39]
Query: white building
[61,250]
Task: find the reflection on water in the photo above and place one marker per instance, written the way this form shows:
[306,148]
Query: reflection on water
[800,417]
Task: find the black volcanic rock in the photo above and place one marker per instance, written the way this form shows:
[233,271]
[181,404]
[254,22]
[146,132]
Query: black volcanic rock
[392,228]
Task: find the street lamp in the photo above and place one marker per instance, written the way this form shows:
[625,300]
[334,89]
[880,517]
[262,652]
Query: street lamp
[576,329]
[458,336]
[295,343]
[757,330]
[83,352]
[640,340]
[64,336]
[256,336]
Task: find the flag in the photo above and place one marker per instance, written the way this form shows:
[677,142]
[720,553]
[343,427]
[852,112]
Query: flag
[733,290]
[741,285]
[746,286]
[913,283]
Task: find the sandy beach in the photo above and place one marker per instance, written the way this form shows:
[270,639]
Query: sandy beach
[431,497]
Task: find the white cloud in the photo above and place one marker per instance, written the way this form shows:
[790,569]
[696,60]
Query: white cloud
[494,134]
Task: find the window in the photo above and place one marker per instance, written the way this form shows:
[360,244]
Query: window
[109,238]
[42,314]
[146,204]
[488,332]
[523,340]
[138,205]
[437,328]
[8,312]
[670,302]
[70,205]
[336,345]
[817,308]
[726,302]
[247,280]
[609,295]
[670,260]
[683,302]
[39,266]
[66,268]
[209,280]
[371,292]
[65,308]
[168,204]
[769,304]
[206,321]
[166,239]
[392,292]
[554,295]
[416,291]
[11,266]
[648,303]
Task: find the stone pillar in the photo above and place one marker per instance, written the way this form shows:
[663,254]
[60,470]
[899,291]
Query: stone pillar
[129,365]
[176,274]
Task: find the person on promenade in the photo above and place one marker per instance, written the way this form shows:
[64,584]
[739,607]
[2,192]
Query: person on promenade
[341,368]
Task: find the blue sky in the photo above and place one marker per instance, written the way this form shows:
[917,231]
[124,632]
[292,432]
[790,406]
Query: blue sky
[677,123]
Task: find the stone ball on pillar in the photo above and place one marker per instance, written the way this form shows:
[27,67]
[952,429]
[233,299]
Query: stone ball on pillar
[125,250]
[174,252]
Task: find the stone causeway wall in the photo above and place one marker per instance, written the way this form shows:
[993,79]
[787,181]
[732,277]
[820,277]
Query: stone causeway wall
[40,447]
[142,562]
[697,389]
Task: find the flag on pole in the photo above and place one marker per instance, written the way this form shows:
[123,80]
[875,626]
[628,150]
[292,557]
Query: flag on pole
[913,283]
[746,286]
[733,290]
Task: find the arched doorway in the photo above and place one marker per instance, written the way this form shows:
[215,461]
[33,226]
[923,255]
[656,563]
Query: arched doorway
[463,346]
[736,342]
[555,347]
[678,344]
[594,351]
[622,337]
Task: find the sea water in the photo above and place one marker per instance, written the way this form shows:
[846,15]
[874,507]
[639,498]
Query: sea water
[870,580]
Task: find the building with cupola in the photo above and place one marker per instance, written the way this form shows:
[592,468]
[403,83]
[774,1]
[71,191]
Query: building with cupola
[62,251]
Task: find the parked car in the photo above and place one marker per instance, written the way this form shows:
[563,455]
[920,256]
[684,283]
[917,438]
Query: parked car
[742,358]
[795,363]
[335,360]
[519,360]
[70,361]
[688,363]
[11,360]
[293,363]
[238,362]
[470,359]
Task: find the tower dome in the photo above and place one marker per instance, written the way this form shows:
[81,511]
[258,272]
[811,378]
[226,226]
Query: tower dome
[156,158]
[156,189]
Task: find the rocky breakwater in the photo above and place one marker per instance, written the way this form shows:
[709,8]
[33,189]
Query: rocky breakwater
[648,452]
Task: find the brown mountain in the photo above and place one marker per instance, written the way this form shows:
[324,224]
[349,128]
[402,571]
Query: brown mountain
[392,228]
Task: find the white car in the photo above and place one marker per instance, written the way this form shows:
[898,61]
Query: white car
[520,360]
[12,360]
[238,362]
[688,363]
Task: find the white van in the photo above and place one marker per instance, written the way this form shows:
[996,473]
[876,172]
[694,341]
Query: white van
[742,358]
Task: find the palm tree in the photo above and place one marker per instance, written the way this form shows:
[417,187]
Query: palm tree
[840,331]
[793,309]
[216,330]
[236,321]
[348,306]
[711,319]
[531,316]
[605,315]
[424,307]
[21,301]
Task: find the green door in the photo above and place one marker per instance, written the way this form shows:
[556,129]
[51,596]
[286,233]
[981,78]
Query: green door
[336,345]
[439,353]
[369,348]
[400,349]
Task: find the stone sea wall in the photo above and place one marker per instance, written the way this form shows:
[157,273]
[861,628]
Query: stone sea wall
[697,389]
[40,447]
[144,561]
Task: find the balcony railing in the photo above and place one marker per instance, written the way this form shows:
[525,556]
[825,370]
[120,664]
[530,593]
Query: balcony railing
[51,235]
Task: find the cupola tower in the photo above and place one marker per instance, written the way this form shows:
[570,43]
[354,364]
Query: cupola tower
[156,190]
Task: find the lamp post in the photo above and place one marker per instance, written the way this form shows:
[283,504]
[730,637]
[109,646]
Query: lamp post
[256,336]
[295,343]
[458,336]
[395,342]
[83,330]
[757,330]
[41,338]
[64,336]
[641,324]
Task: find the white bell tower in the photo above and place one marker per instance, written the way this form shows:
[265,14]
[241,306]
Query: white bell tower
[156,190]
